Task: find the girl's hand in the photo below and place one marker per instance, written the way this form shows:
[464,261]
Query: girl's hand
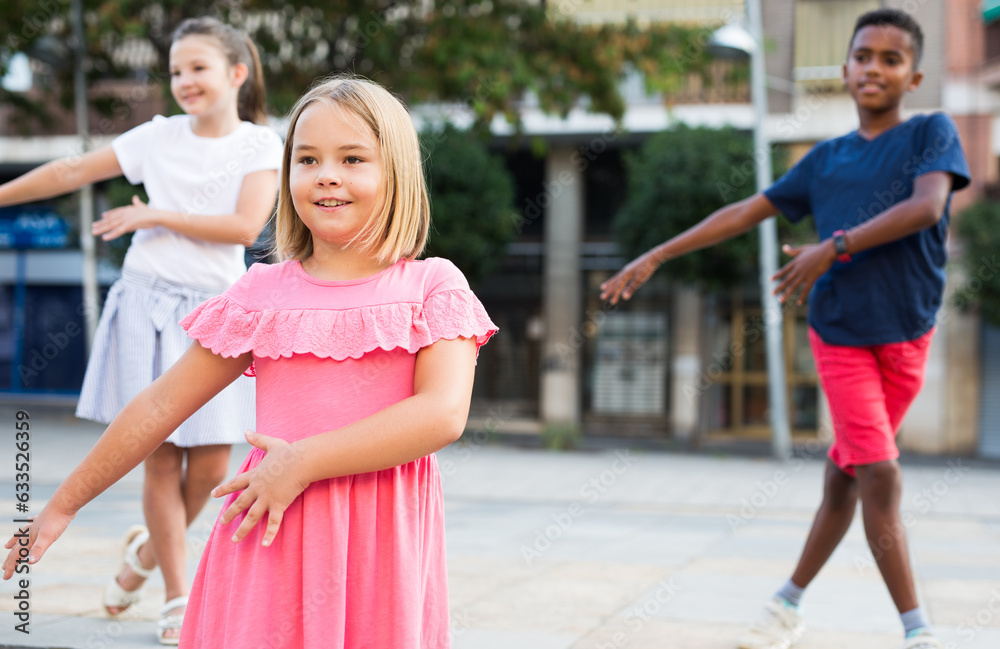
[129,218]
[630,278]
[808,264]
[30,541]
[268,488]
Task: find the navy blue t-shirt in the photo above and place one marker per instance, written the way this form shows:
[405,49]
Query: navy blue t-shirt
[890,293]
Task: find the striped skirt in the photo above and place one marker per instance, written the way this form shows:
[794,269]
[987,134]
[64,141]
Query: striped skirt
[137,339]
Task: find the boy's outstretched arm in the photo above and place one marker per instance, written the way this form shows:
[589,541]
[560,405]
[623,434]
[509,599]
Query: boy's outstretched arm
[724,223]
[139,428]
[919,212]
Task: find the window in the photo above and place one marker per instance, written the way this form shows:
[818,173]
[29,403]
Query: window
[823,30]
[610,11]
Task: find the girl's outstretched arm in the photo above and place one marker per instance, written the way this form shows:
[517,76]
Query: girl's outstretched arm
[432,418]
[724,223]
[61,177]
[253,208]
[141,426]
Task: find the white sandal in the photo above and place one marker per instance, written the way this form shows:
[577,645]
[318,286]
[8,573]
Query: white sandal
[114,595]
[170,622]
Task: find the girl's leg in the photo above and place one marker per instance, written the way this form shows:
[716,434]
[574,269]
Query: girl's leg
[176,502]
[881,488]
[206,469]
[840,499]
[166,518]
[163,509]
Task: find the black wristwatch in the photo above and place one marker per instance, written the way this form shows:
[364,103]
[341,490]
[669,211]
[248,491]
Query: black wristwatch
[840,245]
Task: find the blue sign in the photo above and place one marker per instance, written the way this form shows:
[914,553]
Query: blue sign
[38,228]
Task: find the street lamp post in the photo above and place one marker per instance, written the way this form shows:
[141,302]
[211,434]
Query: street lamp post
[734,37]
[87,191]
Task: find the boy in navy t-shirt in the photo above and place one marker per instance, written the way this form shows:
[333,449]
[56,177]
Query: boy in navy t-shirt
[880,199]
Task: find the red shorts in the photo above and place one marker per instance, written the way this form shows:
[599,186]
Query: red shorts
[869,390]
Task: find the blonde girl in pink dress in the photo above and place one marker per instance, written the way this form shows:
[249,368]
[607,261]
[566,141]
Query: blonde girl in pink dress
[332,534]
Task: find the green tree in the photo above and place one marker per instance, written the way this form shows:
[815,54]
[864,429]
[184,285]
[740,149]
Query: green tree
[979,230]
[472,201]
[486,54]
[676,179]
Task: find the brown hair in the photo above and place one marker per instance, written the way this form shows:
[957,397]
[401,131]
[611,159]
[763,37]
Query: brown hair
[400,228]
[238,48]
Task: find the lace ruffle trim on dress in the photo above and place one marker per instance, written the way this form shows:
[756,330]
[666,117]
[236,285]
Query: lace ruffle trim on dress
[227,329]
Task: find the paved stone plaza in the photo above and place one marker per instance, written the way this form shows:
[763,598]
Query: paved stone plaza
[585,550]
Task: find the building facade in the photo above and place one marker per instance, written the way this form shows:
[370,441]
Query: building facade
[680,363]
[675,362]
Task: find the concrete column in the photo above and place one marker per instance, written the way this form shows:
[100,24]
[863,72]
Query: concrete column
[961,431]
[562,299]
[944,418]
[685,367]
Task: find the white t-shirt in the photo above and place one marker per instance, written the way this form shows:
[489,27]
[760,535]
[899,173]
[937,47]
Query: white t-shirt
[200,176]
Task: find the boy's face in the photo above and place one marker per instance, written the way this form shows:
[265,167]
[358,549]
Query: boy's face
[880,68]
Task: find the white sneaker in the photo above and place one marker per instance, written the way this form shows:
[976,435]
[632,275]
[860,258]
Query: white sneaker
[923,639]
[779,627]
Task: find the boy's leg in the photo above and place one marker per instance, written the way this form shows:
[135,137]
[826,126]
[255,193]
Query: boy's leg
[853,385]
[840,499]
[780,625]
[881,488]
[902,366]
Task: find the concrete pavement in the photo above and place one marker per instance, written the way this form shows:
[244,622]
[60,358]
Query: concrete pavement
[581,550]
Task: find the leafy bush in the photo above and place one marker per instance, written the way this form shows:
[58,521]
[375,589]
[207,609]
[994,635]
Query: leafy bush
[675,180]
[118,192]
[979,229]
[560,436]
[472,202]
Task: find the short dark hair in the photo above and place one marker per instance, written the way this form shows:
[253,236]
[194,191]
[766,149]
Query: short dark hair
[899,20]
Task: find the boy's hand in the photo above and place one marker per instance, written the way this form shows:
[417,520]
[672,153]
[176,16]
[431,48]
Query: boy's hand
[808,264]
[268,488]
[31,540]
[628,279]
[121,220]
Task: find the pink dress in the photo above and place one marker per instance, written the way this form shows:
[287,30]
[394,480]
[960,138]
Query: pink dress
[359,561]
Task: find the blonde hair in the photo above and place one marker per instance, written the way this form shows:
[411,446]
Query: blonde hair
[399,229]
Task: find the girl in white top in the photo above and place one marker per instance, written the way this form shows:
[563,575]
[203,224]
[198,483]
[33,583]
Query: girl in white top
[211,177]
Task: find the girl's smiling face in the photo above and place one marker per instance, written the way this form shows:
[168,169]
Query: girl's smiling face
[335,175]
[201,79]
